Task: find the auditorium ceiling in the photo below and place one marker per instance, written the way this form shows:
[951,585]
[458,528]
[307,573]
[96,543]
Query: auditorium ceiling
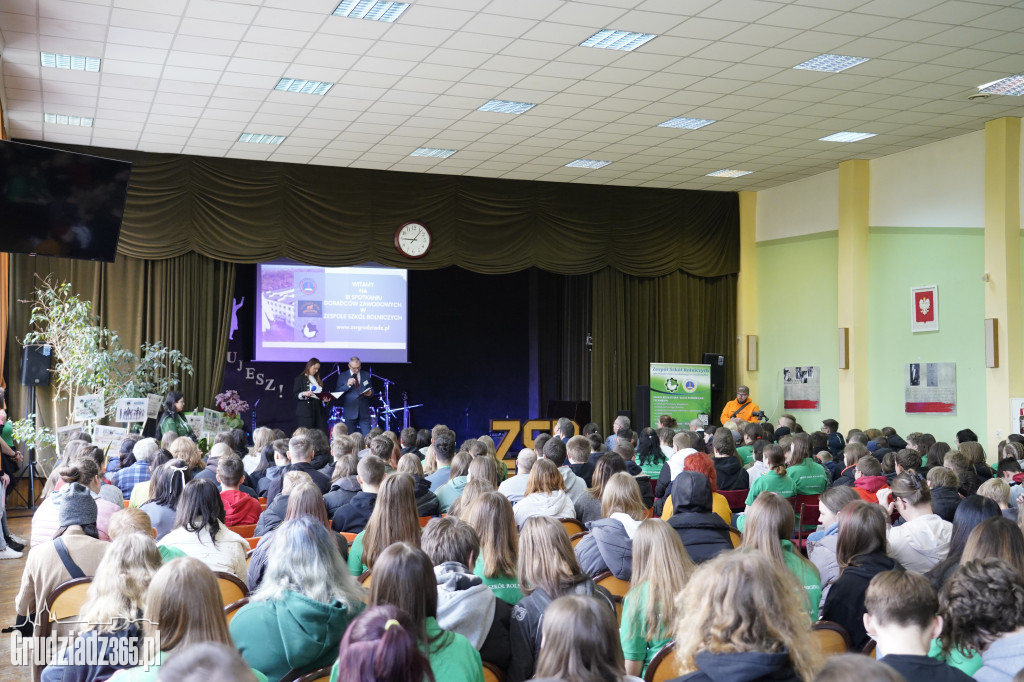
[198,76]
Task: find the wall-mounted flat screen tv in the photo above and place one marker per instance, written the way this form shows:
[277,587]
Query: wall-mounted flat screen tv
[58,203]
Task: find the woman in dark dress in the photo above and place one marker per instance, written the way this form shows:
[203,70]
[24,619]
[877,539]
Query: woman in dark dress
[310,410]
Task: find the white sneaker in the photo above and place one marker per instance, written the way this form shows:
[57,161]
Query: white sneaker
[20,540]
[8,553]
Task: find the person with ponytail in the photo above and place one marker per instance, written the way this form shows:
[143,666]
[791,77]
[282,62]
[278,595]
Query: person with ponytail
[776,480]
[46,521]
[382,645]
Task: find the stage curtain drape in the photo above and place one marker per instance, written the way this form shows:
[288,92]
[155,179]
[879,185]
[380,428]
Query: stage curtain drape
[675,318]
[564,317]
[183,301]
[252,211]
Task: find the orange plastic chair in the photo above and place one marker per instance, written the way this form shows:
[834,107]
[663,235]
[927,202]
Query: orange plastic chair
[64,602]
[424,520]
[253,542]
[245,530]
[616,586]
[492,673]
[575,539]
[736,537]
[231,609]
[664,666]
[366,578]
[572,526]
[231,588]
[350,537]
[831,638]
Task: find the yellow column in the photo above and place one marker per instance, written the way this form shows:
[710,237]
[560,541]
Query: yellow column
[1002,263]
[746,290]
[854,196]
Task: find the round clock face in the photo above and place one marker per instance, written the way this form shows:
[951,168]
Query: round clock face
[412,240]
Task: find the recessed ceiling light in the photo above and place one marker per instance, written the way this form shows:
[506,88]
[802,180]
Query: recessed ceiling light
[502,107]
[68,120]
[260,138]
[303,86]
[728,174]
[833,63]
[617,40]
[374,10]
[1011,85]
[69,61]
[587,163]
[434,153]
[846,137]
[686,123]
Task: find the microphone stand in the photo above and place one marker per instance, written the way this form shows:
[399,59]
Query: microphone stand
[387,399]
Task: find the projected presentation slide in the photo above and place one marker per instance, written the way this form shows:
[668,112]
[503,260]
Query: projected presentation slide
[305,311]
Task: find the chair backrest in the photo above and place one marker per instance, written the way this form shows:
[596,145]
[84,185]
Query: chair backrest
[318,675]
[736,537]
[253,542]
[493,673]
[65,601]
[618,589]
[245,530]
[831,638]
[424,520]
[231,609]
[366,578]
[575,539]
[231,588]
[572,526]
[737,499]
[664,666]
[870,649]
[350,537]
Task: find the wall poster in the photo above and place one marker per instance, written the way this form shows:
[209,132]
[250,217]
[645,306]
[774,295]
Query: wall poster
[930,387]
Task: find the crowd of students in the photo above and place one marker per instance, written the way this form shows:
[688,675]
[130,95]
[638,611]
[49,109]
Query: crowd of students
[917,554]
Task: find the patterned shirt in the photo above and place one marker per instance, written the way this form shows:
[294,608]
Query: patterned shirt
[125,479]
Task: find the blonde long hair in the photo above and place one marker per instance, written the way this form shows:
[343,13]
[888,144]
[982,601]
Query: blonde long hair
[661,563]
[184,606]
[546,559]
[394,517]
[769,521]
[741,602]
[492,518]
[622,494]
[117,594]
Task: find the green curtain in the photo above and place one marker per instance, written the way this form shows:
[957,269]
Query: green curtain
[252,211]
[183,301]
[674,318]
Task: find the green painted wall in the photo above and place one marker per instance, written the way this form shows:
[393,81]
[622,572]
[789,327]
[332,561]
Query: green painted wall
[953,259]
[797,321]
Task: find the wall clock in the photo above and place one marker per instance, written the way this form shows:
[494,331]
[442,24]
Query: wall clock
[413,240]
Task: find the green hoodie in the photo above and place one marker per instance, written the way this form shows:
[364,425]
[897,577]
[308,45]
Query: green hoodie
[294,632]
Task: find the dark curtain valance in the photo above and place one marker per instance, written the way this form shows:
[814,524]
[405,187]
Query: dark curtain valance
[253,211]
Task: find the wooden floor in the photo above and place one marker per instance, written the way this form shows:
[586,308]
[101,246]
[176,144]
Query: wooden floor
[10,579]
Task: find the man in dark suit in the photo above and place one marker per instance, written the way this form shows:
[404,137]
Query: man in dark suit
[355,389]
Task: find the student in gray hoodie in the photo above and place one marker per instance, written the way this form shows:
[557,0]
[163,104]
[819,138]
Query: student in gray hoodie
[464,604]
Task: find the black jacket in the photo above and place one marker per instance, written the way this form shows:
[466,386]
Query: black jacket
[606,547]
[584,471]
[944,502]
[704,533]
[342,492]
[427,503]
[836,444]
[845,601]
[353,516]
[525,627]
[731,474]
[747,666]
[271,517]
[319,480]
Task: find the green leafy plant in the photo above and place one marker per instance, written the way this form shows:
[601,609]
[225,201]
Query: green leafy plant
[25,431]
[89,358]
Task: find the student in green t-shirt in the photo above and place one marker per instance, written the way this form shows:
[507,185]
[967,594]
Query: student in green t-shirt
[649,454]
[751,434]
[775,480]
[769,525]
[661,569]
[808,477]
[491,517]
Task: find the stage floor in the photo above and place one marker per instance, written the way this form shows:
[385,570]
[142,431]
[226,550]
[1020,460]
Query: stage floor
[20,521]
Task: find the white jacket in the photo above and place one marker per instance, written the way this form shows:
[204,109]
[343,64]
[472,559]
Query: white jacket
[676,462]
[555,504]
[228,555]
[920,544]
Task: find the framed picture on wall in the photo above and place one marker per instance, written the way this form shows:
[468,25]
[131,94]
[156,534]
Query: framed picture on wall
[924,309]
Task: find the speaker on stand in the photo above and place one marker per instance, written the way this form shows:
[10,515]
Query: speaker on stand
[35,371]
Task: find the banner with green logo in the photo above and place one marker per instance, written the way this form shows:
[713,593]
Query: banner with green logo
[682,391]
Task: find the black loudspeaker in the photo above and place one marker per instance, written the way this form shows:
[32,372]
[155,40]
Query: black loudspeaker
[35,365]
[643,407]
[717,363]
